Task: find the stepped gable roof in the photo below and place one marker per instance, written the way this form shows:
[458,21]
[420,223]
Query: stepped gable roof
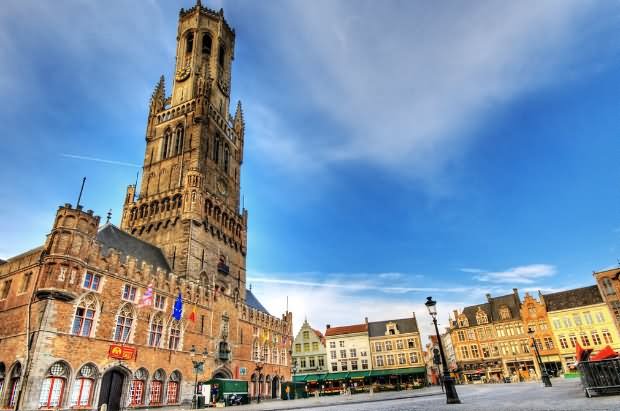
[577,297]
[252,301]
[471,311]
[347,329]
[110,236]
[404,325]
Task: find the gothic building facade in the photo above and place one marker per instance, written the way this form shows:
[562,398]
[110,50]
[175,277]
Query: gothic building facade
[118,316]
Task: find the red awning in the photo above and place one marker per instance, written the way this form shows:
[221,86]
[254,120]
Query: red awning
[604,354]
[581,354]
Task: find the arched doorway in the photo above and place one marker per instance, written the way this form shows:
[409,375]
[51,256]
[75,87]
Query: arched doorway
[222,373]
[253,386]
[268,386]
[112,389]
[275,387]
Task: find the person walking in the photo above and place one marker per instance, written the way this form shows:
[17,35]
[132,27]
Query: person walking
[288,392]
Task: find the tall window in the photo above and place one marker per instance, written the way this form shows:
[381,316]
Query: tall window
[563,342]
[166,146]
[2,372]
[6,287]
[160,302]
[573,340]
[25,282]
[388,345]
[549,343]
[401,359]
[379,360]
[136,389]
[584,339]
[413,357]
[155,331]
[189,44]
[172,390]
[256,351]
[216,150]
[220,56]
[474,351]
[596,339]
[175,335]
[82,393]
[123,323]
[16,374]
[84,315]
[608,286]
[226,158]
[155,396]
[178,149]
[364,364]
[53,386]
[91,281]
[206,44]
[607,337]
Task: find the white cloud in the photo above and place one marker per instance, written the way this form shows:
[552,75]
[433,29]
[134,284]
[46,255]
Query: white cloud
[526,274]
[471,270]
[405,85]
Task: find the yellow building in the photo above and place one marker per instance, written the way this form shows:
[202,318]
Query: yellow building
[580,315]
[396,350]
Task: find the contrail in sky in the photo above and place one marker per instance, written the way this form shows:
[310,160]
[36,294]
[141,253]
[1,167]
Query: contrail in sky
[100,160]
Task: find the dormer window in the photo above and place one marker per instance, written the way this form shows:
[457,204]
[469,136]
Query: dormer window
[481,317]
[463,322]
[504,313]
[391,329]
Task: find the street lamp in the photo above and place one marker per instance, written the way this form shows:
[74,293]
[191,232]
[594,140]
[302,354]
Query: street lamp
[259,367]
[293,369]
[198,363]
[543,370]
[448,382]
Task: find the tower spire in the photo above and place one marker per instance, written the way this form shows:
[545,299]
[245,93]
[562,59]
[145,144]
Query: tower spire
[158,98]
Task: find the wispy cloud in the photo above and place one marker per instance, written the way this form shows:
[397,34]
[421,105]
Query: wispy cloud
[409,99]
[526,274]
[472,270]
[100,160]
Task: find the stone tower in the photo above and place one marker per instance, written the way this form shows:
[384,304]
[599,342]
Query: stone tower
[188,200]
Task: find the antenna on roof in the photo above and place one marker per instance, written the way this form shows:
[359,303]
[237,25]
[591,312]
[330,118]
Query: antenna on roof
[287,304]
[109,216]
[81,190]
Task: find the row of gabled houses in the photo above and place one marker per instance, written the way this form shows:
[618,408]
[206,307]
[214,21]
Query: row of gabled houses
[356,356]
[494,340]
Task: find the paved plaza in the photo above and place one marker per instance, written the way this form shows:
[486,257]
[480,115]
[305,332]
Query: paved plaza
[564,395]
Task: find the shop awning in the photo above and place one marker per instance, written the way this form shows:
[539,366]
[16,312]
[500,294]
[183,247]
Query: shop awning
[398,371]
[332,376]
[300,378]
[359,374]
[315,377]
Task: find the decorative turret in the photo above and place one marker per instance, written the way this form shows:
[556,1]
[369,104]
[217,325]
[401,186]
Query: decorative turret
[239,126]
[158,98]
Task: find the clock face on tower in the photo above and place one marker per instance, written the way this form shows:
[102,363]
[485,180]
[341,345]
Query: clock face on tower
[221,187]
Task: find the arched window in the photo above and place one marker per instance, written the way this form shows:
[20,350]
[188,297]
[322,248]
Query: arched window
[123,323]
[255,351]
[82,393]
[206,44]
[220,56]
[84,316]
[16,374]
[174,336]
[189,44]
[155,397]
[167,143]
[53,387]
[216,150]
[178,149]
[266,353]
[226,158]
[283,357]
[136,389]
[155,331]
[172,391]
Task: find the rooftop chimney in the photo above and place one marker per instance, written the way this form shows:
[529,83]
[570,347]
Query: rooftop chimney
[366,320]
[328,326]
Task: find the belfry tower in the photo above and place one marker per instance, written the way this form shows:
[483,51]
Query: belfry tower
[188,200]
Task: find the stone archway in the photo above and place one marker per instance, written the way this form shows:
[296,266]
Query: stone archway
[275,387]
[113,390]
[222,372]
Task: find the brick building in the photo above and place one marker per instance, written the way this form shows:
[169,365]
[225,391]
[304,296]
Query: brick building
[536,321]
[73,333]
[609,284]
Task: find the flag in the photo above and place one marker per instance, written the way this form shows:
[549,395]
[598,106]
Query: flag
[192,315]
[147,297]
[177,312]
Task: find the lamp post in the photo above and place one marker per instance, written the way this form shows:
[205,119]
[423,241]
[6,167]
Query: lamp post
[448,382]
[543,370]
[293,370]
[259,367]
[198,363]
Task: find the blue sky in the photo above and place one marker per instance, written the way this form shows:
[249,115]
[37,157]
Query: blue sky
[394,150]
